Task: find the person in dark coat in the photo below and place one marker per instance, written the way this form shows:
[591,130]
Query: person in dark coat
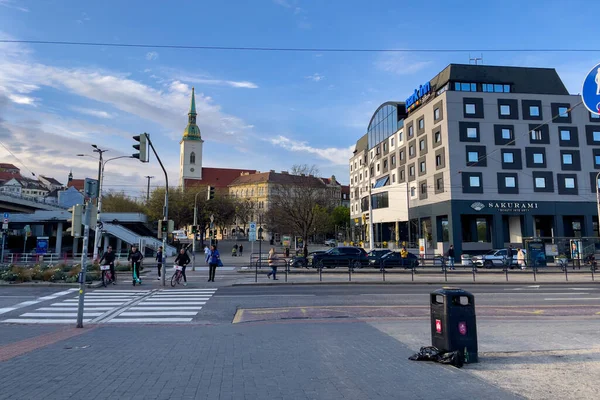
[183,260]
[109,258]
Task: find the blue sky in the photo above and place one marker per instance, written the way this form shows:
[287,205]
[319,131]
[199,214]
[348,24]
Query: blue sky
[261,110]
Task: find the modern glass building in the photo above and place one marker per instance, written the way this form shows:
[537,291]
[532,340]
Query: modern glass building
[385,122]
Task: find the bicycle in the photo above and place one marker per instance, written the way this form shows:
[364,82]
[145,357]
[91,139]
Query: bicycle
[107,277]
[176,278]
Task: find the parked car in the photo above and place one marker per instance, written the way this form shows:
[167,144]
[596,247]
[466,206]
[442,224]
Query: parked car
[375,256]
[303,262]
[394,260]
[495,258]
[344,256]
[331,242]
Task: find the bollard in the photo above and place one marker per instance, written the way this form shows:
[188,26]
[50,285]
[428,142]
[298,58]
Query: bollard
[474,269]
[320,274]
[593,268]
[566,273]
[534,272]
[445,271]
[350,271]
[383,272]
[287,267]
[412,273]
[255,271]
[506,272]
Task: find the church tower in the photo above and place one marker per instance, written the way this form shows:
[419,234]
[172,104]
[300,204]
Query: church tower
[190,163]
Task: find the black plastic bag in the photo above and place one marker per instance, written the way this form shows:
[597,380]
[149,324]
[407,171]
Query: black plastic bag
[427,353]
[455,358]
[432,353]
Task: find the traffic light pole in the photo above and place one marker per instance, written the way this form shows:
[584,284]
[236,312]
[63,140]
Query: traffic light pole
[82,274]
[165,211]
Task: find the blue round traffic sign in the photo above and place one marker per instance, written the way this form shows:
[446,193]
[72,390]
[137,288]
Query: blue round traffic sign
[590,93]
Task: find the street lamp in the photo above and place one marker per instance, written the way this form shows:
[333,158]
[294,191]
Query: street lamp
[194,239]
[598,199]
[101,164]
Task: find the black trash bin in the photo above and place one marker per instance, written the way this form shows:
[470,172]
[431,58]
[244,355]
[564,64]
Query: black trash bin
[453,324]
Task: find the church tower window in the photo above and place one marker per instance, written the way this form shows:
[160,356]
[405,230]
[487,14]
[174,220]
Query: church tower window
[192,158]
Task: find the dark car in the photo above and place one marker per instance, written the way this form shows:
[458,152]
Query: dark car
[375,256]
[355,257]
[393,259]
[303,262]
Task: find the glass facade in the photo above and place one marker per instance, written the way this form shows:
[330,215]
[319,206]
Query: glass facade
[384,124]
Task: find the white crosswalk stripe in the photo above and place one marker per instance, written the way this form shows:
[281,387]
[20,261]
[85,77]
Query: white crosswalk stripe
[97,303]
[166,306]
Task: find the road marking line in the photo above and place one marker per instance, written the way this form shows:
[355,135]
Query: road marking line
[109,315]
[36,301]
[138,308]
[68,314]
[73,308]
[180,299]
[147,320]
[157,313]
[42,321]
[238,316]
[163,303]
[572,299]
[269,295]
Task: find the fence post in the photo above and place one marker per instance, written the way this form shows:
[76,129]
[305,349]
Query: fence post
[383,272]
[287,266]
[506,272]
[444,269]
[320,273]
[350,271]
[535,272]
[255,270]
[567,273]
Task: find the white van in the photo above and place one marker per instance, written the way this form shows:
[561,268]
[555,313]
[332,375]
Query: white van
[180,234]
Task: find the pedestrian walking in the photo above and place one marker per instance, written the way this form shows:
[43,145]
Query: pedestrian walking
[403,255]
[234,251]
[521,258]
[183,260]
[241,249]
[509,255]
[273,264]
[159,260]
[213,261]
[206,253]
[451,257]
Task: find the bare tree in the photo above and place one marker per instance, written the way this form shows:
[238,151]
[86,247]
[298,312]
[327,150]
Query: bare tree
[297,200]
[244,210]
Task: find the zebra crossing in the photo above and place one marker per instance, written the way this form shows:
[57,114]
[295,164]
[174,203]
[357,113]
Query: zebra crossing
[122,306]
[166,306]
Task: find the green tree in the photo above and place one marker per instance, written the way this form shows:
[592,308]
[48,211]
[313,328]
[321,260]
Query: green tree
[341,216]
[222,208]
[181,205]
[120,202]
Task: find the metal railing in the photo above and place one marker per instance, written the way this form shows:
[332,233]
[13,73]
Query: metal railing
[426,267]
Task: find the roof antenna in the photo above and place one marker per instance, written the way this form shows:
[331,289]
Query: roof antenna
[475,59]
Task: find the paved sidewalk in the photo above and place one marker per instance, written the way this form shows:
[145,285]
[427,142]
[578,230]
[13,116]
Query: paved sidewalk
[350,360]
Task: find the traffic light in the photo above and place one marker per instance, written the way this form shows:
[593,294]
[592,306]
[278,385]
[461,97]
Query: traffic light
[142,147]
[76,218]
[210,193]
[210,233]
[194,229]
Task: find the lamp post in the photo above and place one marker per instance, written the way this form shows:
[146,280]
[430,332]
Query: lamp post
[101,165]
[598,200]
[195,224]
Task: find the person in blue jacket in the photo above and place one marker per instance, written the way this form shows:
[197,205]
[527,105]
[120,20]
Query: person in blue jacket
[213,261]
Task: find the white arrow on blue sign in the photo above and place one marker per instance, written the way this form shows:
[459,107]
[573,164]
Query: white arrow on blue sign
[590,93]
[6,215]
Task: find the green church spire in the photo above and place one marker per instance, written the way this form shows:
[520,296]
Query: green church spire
[192,132]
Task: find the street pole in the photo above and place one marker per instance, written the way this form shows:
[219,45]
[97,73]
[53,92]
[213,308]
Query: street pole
[371,236]
[3,238]
[86,236]
[165,210]
[408,211]
[148,191]
[100,175]
[194,239]
[598,199]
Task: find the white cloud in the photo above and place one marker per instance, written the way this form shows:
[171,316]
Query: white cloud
[338,156]
[15,98]
[400,64]
[84,18]
[283,3]
[92,112]
[13,4]
[316,77]
[151,55]
[220,82]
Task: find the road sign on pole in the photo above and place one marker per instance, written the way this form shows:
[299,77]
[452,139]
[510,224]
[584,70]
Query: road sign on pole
[252,232]
[6,215]
[590,93]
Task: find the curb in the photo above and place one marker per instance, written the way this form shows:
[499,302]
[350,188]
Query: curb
[409,283]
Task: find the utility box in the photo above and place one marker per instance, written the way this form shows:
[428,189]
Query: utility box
[453,322]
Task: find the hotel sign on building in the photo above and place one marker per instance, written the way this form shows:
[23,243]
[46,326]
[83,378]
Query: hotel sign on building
[511,206]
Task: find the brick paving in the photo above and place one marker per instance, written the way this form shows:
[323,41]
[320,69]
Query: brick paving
[245,361]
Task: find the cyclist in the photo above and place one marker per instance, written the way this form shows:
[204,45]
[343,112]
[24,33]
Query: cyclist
[136,257]
[183,260]
[109,258]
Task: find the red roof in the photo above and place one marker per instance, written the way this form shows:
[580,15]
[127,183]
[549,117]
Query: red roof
[217,177]
[7,176]
[78,184]
[8,166]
